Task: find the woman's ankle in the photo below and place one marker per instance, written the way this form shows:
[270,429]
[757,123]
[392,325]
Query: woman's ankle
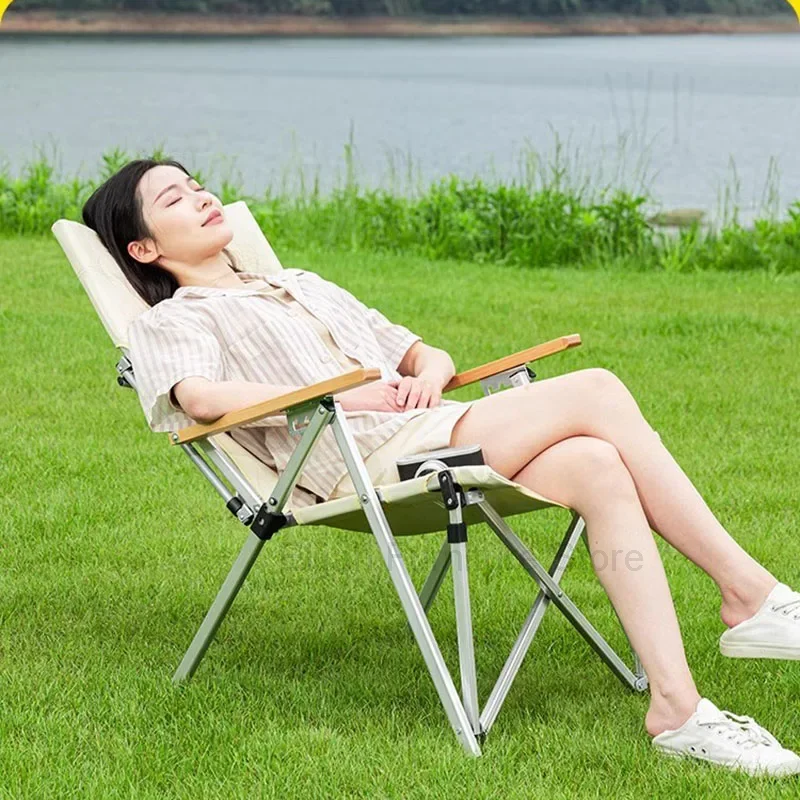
[670,708]
[740,602]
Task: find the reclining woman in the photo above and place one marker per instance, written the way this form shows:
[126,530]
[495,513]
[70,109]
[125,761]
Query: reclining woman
[217,339]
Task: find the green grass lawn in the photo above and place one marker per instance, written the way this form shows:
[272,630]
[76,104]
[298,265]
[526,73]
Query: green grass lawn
[113,547]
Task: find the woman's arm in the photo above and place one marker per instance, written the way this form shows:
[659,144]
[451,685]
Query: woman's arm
[204,400]
[426,371]
[423,361]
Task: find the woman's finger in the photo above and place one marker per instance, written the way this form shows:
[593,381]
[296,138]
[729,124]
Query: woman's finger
[403,389]
[413,396]
[424,397]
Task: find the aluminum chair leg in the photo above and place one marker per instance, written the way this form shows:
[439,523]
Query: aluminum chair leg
[252,547]
[225,597]
[638,670]
[466,644]
[558,596]
[434,580]
[403,585]
[530,627]
[457,537]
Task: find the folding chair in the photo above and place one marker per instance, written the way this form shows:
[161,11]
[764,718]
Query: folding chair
[447,491]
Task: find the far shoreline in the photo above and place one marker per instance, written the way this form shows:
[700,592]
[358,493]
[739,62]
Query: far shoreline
[213,25]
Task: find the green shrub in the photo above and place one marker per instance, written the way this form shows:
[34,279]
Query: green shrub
[540,222]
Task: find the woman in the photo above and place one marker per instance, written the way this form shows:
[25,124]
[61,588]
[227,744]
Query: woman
[216,340]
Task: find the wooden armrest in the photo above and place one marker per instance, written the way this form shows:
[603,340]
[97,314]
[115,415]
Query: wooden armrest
[277,405]
[514,360]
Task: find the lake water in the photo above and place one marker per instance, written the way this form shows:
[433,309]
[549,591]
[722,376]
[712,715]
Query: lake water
[672,113]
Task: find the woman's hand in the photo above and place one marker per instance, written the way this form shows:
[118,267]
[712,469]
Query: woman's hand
[395,395]
[373,396]
[417,392]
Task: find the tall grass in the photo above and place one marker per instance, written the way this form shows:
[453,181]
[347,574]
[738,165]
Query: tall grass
[553,215]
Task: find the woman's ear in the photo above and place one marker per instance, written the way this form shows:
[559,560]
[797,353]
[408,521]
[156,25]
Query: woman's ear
[143,250]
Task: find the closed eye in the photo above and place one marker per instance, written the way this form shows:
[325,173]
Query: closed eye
[177,199]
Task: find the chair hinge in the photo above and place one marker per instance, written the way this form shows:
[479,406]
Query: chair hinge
[125,373]
[298,417]
[449,489]
[266,523]
[453,500]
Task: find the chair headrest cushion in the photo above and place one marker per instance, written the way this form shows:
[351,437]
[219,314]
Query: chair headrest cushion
[115,300]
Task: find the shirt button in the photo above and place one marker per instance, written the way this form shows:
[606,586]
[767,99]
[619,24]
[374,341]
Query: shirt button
[325,357]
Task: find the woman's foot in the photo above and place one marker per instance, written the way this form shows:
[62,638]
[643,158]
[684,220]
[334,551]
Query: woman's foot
[772,632]
[722,738]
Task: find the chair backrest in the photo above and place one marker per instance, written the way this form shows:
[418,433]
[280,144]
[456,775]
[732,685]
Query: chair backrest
[115,300]
[118,304]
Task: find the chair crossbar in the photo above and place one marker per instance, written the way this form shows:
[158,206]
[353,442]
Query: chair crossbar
[530,626]
[435,577]
[634,679]
[558,596]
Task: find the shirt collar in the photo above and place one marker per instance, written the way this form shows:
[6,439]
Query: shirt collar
[277,280]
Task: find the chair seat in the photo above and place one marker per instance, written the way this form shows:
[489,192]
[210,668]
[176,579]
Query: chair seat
[412,506]
[416,506]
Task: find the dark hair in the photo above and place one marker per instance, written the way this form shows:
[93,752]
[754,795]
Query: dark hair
[114,213]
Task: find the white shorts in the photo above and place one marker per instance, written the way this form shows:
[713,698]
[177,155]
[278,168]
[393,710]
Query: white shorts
[428,431]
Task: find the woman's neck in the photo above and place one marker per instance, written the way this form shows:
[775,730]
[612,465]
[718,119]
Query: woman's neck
[216,274]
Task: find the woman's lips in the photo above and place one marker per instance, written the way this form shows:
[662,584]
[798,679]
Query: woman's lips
[213,218]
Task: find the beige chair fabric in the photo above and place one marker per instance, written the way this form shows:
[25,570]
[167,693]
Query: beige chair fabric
[261,477]
[416,506]
[411,506]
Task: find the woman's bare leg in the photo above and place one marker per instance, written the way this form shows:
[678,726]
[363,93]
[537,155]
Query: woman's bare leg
[587,474]
[514,426]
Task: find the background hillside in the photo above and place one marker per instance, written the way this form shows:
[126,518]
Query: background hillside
[405,8]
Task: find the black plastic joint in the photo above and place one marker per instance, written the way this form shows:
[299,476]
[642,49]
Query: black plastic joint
[456,532]
[266,525]
[449,489]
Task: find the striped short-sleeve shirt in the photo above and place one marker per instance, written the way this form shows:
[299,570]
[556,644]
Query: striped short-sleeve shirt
[249,334]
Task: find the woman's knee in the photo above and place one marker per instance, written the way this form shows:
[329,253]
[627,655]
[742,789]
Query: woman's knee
[599,469]
[580,472]
[604,388]
[602,380]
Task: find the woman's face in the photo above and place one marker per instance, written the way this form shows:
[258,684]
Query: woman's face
[187,223]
